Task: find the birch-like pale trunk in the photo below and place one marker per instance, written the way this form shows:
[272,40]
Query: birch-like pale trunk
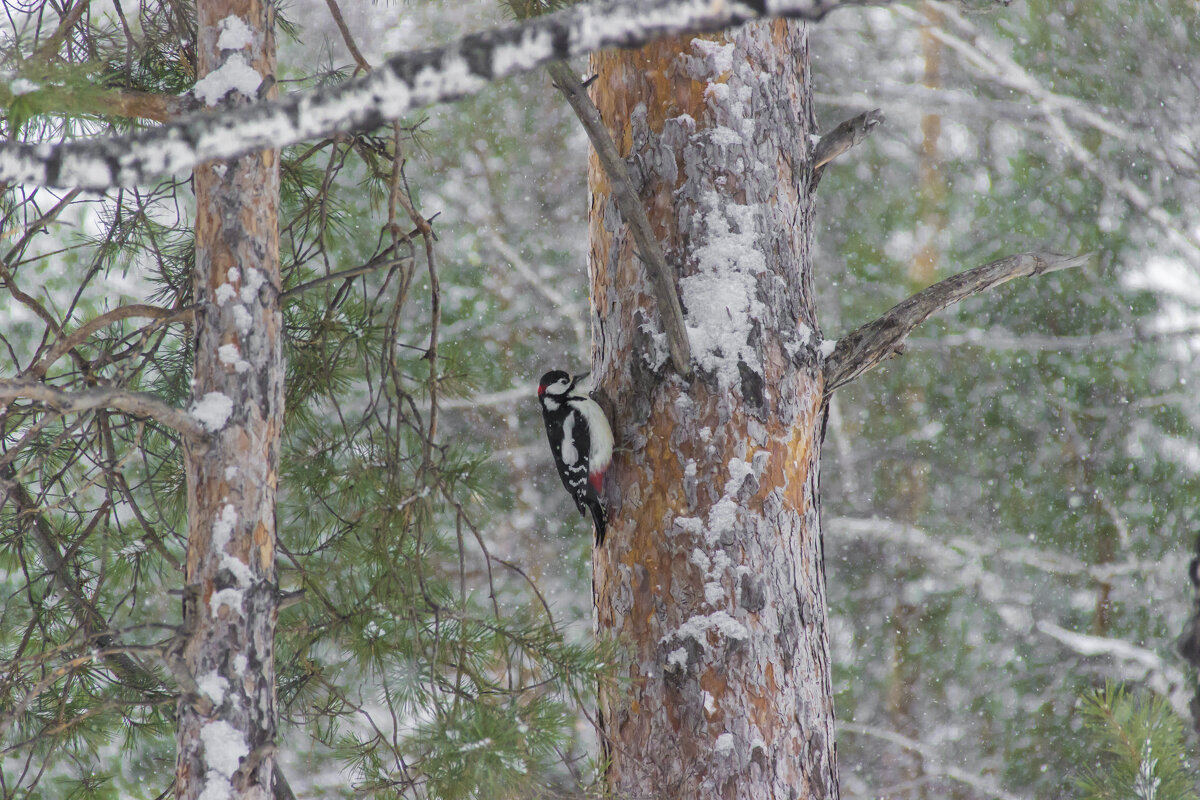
[226,735]
[712,571]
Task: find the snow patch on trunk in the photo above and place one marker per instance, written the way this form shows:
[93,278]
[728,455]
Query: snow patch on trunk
[212,411]
[721,297]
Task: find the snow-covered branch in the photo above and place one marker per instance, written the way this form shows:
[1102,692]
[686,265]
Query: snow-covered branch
[932,761]
[962,558]
[405,81]
[992,62]
[139,404]
[1002,340]
[1135,663]
[883,338]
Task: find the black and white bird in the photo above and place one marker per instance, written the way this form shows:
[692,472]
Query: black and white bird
[580,439]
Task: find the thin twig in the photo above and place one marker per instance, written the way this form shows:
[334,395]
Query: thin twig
[76,337]
[50,47]
[379,262]
[932,760]
[356,54]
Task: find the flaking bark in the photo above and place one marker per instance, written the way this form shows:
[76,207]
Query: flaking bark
[230,606]
[712,571]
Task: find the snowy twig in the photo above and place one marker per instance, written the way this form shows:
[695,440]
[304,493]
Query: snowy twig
[405,81]
[557,299]
[962,559]
[962,555]
[844,136]
[883,338]
[633,212]
[932,762]
[1136,663]
[993,63]
[139,404]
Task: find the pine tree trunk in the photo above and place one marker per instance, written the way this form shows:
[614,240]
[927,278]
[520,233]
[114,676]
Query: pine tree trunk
[226,736]
[712,572]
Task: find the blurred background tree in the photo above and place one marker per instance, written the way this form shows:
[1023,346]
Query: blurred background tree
[1008,506]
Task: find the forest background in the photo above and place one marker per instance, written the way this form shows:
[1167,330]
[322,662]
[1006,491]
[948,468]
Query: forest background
[1009,506]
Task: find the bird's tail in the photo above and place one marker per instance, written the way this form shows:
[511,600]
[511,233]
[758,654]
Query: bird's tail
[599,517]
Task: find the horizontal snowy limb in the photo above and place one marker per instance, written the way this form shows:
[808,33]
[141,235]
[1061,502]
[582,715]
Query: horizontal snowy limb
[883,338]
[1135,663]
[404,82]
[139,404]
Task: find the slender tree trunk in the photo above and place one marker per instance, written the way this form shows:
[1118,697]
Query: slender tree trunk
[712,572]
[227,730]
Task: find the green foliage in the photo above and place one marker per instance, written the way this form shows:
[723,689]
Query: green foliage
[1143,750]
[412,660]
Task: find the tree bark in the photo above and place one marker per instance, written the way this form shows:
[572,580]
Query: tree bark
[712,572]
[226,749]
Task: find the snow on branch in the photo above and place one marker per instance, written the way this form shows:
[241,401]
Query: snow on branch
[1135,663]
[962,560]
[933,763]
[883,338]
[403,82]
[139,404]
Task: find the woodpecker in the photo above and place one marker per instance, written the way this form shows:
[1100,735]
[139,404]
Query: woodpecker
[580,440]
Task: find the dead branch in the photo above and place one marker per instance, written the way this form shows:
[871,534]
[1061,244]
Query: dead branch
[630,206]
[844,136]
[139,404]
[883,338]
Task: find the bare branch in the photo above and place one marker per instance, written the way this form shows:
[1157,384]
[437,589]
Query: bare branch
[81,333]
[127,103]
[403,82]
[336,12]
[883,338]
[139,404]
[844,136]
[631,208]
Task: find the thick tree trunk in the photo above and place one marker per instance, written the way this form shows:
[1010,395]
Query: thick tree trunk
[227,730]
[712,571]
